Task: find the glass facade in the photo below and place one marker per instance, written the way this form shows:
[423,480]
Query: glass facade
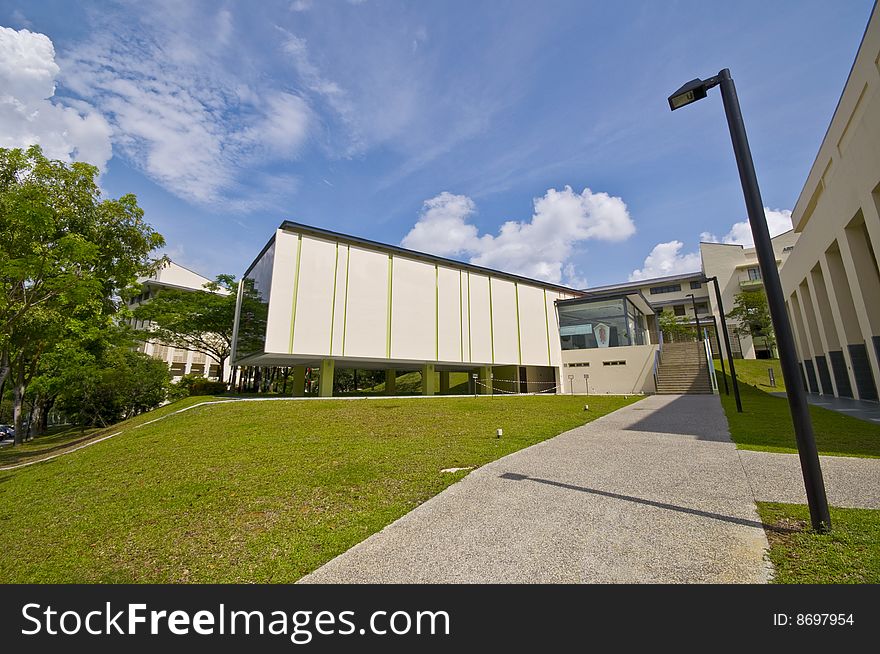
[254,309]
[613,322]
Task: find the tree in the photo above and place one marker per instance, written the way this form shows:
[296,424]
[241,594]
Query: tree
[751,314]
[674,327]
[200,321]
[68,253]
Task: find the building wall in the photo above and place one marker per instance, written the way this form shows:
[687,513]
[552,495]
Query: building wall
[730,263]
[180,361]
[831,282]
[331,298]
[613,370]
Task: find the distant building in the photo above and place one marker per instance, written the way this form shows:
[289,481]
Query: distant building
[737,270]
[181,361]
[831,282]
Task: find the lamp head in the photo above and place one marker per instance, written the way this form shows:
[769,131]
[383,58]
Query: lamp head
[688,93]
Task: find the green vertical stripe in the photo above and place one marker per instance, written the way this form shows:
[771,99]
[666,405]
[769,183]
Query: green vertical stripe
[333,308]
[491,323]
[388,325]
[518,337]
[299,248]
[345,304]
[547,324]
[436,312]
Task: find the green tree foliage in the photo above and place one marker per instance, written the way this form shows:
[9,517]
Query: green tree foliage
[201,321]
[120,384]
[752,318]
[675,328]
[68,253]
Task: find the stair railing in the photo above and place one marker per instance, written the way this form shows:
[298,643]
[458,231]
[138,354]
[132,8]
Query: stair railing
[710,363]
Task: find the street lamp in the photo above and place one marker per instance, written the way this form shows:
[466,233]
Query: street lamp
[696,317]
[714,280]
[797,400]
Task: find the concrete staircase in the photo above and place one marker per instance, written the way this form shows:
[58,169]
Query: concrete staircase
[683,369]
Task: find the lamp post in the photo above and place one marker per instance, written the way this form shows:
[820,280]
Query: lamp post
[692,91]
[739,406]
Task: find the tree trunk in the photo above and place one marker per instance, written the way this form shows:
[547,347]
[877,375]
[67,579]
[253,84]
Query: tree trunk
[4,370]
[38,416]
[17,405]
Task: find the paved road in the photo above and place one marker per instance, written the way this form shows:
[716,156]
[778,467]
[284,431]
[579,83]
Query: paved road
[861,409]
[654,492]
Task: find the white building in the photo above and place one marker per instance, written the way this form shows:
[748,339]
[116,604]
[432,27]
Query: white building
[320,299]
[831,281]
[181,361]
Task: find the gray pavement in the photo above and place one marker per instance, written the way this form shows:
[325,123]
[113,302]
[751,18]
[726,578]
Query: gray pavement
[861,409]
[654,492]
[849,481]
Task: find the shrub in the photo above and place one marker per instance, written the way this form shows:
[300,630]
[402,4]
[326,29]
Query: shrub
[207,387]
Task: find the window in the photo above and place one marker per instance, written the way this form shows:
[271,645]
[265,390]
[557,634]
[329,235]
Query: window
[788,248]
[671,288]
[254,308]
[702,307]
[754,274]
[588,324]
[696,285]
[678,309]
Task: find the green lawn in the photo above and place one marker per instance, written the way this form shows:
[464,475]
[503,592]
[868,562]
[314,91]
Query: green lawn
[754,372]
[254,491]
[849,554]
[765,425]
[60,439]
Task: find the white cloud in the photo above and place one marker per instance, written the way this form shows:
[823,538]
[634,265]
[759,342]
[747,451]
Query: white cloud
[184,119]
[540,247]
[667,259]
[778,221]
[300,5]
[29,112]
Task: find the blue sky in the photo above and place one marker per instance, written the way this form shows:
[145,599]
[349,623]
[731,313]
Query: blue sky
[471,129]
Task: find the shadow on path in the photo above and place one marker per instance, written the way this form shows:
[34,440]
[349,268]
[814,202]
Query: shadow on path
[683,416]
[638,500]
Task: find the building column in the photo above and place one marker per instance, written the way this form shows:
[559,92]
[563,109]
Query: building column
[485,380]
[845,315]
[828,331]
[817,344]
[859,260]
[444,382]
[325,382]
[390,382]
[299,381]
[428,379]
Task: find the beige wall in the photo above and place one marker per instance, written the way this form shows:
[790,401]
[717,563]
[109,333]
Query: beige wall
[380,305]
[634,375]
[730,263]
[831,280]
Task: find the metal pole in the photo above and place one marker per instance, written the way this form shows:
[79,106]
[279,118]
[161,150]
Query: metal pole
[720,356]
[739,406]
[797,400]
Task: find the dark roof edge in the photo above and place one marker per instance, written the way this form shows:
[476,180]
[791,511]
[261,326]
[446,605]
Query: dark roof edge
[413,254]
[644,282]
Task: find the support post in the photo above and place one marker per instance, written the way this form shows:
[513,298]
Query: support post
[485,380]
[390,382]
[444,382]
[428,379]
[299,381]
[325,383]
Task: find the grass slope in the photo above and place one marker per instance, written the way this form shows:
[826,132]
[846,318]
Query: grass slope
[59,440]
[765,425]
[847,555]
[754,372]
[254,491]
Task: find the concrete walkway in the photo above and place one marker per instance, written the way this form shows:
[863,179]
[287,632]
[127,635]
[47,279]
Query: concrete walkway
[861,409]
[654,492]
[850,482]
